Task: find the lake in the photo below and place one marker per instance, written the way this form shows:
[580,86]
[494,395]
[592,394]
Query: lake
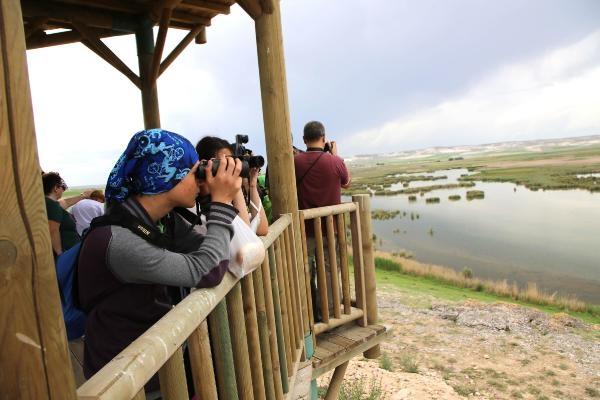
[551,238]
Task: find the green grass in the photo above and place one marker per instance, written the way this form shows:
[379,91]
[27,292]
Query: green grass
[388,272]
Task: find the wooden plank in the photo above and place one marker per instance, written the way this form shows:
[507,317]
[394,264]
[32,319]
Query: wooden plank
[364,211]
[41,39]
[335,349]
[335,286]
[88,16]
[202,363]
[278,320]
[275,230]
[173,385]
[239,345]
[337,339]
[345,272]
[208,6]
[269,308]
[263,334]
[357,334]
[256,368]
[35,358]
[322,367]
[321,277]
[34,25]
[359,279]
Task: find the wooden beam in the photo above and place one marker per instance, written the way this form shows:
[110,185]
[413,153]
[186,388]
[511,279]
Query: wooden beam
[179,48]
[85,15]
[97,46]
[190,18]
[43,39]
[336,381]
[252,8]
[201,37]
[208,6]
[34,25]
[130,7]
[163,27]
[34,358]
[144,41]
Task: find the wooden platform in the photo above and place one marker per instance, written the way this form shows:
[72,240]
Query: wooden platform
[342,344]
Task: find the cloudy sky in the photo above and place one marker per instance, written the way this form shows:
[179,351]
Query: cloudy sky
[382,75]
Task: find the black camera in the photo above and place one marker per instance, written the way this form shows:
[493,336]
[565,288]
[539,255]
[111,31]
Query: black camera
[245,154]
[239,151]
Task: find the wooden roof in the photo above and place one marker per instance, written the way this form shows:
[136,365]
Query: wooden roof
[54,22]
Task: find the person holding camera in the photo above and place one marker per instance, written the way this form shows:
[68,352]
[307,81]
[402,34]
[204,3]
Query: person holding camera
[124,269]
[320,176]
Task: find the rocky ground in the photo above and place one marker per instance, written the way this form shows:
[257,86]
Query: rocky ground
[445,350]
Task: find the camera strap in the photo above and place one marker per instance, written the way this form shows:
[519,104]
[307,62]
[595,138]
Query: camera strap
[299,180]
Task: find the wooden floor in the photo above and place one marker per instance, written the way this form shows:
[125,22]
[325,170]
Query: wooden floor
[334,348]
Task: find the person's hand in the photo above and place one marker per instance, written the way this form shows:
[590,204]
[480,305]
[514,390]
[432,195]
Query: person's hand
[333,148]
[227,182]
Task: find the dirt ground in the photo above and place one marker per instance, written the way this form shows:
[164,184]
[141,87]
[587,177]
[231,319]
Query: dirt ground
[479,351]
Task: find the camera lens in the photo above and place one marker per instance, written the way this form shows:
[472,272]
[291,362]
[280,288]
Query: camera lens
[200,174]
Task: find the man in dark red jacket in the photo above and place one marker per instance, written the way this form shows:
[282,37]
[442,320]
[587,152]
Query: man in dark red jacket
[320,176]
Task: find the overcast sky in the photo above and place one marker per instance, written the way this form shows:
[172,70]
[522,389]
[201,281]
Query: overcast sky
[381,75]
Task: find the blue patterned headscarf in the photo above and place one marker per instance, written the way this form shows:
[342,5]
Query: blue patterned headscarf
[154,162]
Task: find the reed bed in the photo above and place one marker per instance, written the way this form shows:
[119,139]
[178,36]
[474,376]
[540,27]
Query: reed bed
[531,293]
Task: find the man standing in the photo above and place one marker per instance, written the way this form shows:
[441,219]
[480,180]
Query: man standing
[320,176]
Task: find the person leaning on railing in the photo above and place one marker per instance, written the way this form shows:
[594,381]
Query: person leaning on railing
[63,232]
[122,277]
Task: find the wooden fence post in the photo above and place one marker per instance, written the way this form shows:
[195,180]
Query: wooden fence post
[364,204]
[34,360]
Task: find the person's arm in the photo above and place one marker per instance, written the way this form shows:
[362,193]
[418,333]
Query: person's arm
[55,236]
[239,202]
[135,260]
[71,201]
[345,177]
[263,225]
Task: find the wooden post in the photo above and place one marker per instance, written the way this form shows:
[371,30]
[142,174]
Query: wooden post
[278,320]
[364,204]
[321,276]
[173,385]
[333,267]
[284,304]
[34,360]
[335,383]
[221,345]
[341,227]
[249,301]
[237,328]
[276,119]
[202,363]
[144,39]
[263,335]
[359,278]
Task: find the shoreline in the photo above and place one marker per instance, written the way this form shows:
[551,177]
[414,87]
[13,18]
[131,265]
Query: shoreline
[464,280]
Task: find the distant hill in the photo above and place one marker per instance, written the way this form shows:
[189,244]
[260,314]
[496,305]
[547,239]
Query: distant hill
[522,146]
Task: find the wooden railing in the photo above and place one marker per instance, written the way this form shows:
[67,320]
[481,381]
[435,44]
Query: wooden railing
[337,281]
[245,339]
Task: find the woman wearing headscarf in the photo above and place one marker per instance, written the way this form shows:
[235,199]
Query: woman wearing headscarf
[122,278]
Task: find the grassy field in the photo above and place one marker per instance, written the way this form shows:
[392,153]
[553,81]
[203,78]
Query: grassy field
[390,273]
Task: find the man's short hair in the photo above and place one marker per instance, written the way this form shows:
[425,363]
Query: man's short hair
[313,130]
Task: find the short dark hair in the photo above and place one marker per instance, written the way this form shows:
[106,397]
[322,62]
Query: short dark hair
[313,131]
[52,180]
[208,146]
